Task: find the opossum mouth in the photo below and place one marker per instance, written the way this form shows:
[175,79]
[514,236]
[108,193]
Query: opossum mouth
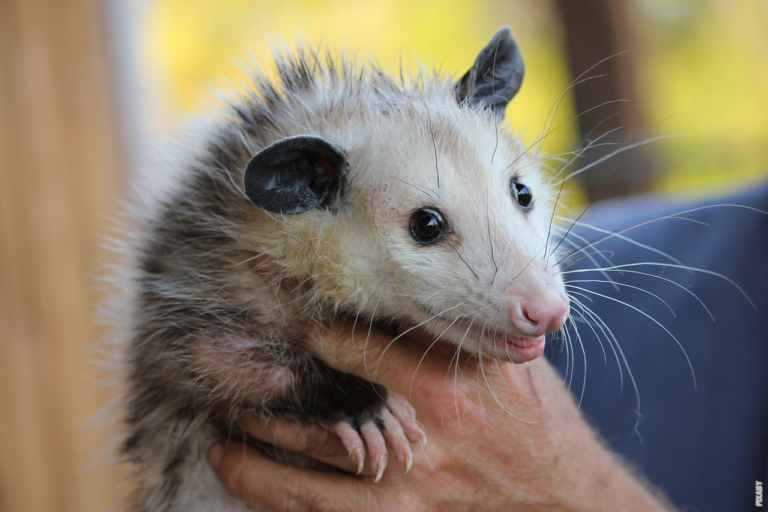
[503,346]
[519,349]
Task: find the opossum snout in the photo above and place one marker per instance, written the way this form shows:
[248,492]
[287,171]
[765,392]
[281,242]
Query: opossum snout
[541,311]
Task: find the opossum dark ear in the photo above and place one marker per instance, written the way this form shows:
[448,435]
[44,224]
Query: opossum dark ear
[496,75]
[295,174]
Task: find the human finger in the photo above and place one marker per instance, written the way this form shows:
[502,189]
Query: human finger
[379,357]
[316,442]
[270,486]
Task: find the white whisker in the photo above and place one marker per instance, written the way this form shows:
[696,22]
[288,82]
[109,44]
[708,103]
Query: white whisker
[685,353]
[683,267]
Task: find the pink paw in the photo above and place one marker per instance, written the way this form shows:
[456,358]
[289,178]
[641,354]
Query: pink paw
[394,426]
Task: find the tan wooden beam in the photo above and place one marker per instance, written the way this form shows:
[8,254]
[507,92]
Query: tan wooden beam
[595,30]
[59,177]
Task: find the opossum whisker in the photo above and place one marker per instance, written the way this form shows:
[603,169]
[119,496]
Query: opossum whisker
[479,394]
[383,352]
[577,81]
[568,347]
[493,335]
[630,374]
[448,371]
[428,192]
[586,145]
[365,348]
[489,385]
[646,139]
[654,320]
[538,140]
[671,281]
[577,154]
[492,81]
[561,157]
[591,325]
[584,360]
[627,286]
[530,261]
[610,338]
[464,261]
[488,227]
[566,163]
[552,114]
[454,357]
[610,234]
[356,318]
[592,321]
[683,267]
[633,147]
[678,215]
[481,360]
[591,256]
[432,133]
[484,336]
[624,148]
[457,357]
[601,123]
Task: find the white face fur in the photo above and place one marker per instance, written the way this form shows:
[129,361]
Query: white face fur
[412,202]
[490,283]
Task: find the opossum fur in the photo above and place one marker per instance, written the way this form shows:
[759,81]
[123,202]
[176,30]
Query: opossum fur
[296,207]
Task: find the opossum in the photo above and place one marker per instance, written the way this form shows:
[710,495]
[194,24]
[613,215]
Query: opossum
[334,190]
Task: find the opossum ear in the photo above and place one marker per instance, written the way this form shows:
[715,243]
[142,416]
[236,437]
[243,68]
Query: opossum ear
[295,174]
[496,75]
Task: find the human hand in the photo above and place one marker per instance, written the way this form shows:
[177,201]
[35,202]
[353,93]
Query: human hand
[501,437]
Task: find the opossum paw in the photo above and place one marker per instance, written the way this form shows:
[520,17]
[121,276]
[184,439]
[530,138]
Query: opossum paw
[394,426]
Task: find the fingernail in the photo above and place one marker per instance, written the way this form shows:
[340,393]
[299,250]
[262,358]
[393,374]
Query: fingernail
[216,455]
[408,462]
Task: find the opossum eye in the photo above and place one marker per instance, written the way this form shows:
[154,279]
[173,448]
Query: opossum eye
[522,194]
[428,226]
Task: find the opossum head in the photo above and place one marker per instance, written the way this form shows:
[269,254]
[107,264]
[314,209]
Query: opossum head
[414,203]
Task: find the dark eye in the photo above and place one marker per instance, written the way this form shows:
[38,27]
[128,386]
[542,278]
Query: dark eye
[428,226]
[522,194]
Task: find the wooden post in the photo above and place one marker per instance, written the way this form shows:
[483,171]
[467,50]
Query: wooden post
[59,177]
[594,30]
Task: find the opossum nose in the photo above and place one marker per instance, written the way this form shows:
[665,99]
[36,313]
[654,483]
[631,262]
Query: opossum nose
[538,314]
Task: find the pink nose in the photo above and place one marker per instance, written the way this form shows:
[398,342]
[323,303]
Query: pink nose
[540,313]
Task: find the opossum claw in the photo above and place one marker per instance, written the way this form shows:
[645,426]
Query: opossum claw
[394,427]
[352,441]
[406,416]
[379,464]
[377,448]
[396,438]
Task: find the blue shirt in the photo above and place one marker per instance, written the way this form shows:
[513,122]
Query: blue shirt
[703,442]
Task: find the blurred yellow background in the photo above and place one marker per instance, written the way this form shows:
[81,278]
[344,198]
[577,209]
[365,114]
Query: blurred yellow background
[701,65]
[72,73]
